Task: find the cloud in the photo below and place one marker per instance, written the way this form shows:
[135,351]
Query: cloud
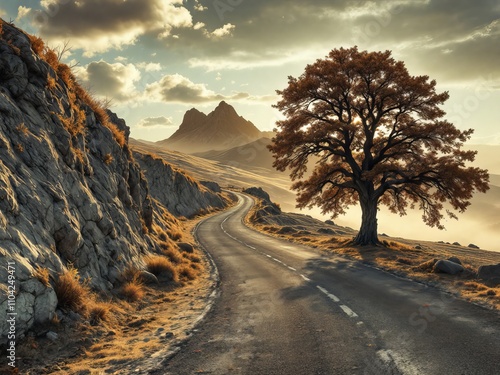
[150,122]
[114,81]
[226,30]
[149,66]
[22,12]
[99,25]
[179,89]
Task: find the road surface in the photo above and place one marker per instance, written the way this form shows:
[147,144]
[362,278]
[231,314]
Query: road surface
[286,309]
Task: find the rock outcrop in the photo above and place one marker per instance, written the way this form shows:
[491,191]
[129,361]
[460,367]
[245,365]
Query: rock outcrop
[70,190]
[489,274]
[221,129]
[191,197]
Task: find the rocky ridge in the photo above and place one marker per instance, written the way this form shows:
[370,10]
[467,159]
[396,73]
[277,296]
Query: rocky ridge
[221,129]
[71,192]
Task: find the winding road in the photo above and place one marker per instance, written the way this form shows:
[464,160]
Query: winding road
[286,309]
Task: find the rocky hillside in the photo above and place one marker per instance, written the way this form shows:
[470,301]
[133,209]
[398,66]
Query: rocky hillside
[221,129]
[70,190]
[192,197]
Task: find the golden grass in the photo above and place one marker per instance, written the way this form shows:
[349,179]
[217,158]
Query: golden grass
[19,147]
[173,255]
[70,292]
[108,159]
[175,234]
[132,291]
[42,274]
[51,82]
[186,272]
[98,312]
[161,266]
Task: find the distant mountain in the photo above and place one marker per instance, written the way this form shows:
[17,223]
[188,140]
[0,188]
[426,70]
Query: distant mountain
[221,129]
[253,154]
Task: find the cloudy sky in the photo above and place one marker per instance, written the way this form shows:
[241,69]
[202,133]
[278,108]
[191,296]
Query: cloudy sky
[158,58]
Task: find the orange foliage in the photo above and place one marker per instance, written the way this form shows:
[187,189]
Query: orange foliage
[380,137]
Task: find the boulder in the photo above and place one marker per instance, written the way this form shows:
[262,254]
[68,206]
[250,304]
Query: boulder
[472,246]
[259,193]
[326,231]
[490,274]
[455,260]
[148,278]
[447,266]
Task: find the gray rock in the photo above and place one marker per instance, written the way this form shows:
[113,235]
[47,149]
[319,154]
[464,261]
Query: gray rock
[489,274]
[326,231]
[259,193]
[449,267]
[455,260]
[190,197]
[214,186]
[456,243]
[148,278]
[472,246]
[60,201]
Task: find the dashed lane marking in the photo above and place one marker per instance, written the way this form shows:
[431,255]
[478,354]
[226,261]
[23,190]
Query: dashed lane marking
[305,277]
[348,311]
[291,268]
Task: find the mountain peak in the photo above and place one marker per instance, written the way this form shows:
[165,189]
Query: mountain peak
[221,129]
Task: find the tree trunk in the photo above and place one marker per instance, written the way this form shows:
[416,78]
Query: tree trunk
[368,232]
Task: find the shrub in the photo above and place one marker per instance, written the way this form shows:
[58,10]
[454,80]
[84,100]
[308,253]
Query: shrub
[161,267]
[20,147]
[98,311]
[186,272]
[132,291]
[173,255]
[37,45]
[70,292]
[42,275]
[175,234]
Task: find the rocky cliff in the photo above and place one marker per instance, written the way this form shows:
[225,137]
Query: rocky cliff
[221,129]
[70,190]
[192,197]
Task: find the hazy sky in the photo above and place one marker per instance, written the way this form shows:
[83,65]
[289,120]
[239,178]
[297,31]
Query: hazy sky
[158,58]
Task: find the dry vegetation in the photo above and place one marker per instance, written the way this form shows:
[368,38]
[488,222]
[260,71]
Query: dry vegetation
[75,122]
[125,327]
[406,258]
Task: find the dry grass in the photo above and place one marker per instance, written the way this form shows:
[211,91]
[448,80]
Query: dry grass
[132,290]
[98,312]
[186,272]
[51,82]
[161,266]
[19,147]
[22,129]
[70,292]
[42,274]
[173,255]
[37,45]
[175,234]
[108,159]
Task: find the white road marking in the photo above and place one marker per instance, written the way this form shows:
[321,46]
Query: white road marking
[251,247]
[305,277]
[333,297]
[349,312]
[291,268]
[393,359]
[269,256]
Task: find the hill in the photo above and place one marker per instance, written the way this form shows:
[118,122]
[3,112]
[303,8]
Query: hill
[221,129]
[75,205]
[254,154]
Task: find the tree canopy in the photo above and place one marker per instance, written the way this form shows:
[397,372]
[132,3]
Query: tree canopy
[375,135]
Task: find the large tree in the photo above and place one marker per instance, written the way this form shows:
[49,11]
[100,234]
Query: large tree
[374,135]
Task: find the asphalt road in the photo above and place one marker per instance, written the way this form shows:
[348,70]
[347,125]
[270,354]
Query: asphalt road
[286,309]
